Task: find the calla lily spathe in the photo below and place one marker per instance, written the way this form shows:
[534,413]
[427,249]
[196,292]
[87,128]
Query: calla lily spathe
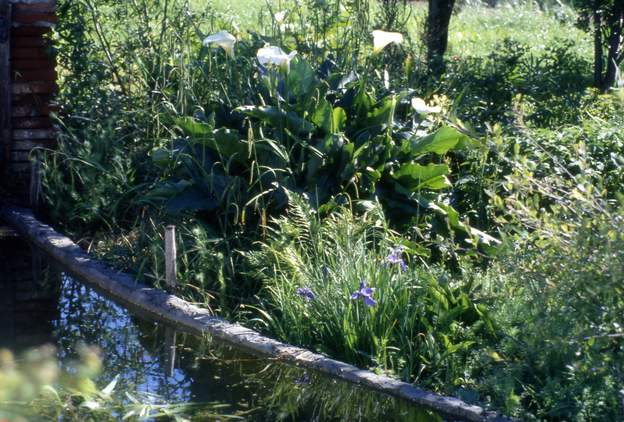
[280,17]
[382,38]
[421,106]
[271,55]
[223,39]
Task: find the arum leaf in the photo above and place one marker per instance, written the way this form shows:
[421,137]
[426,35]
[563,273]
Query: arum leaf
[339,120]
[383,115]
[323,116]
[228,144]
[224,141]
[278,118]
[439,142]
[195,128]
[415,176]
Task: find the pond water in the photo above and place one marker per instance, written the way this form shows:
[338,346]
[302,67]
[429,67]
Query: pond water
[41,305]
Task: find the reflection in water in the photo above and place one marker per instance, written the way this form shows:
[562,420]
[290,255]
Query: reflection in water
[28,296]
[180,368]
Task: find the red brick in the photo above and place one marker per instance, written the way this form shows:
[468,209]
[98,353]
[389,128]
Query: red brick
[27,64]
[27,145]
[31,18]
[21,88]
[31,123]
[33,110]
[33,134]
[34,75]
[33,8]
[21,42]
[29,53]
[28,31]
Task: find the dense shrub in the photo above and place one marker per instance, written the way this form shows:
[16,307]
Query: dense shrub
[548,86]
[562,277]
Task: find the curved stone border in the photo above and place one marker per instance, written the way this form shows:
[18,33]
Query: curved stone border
[196,320]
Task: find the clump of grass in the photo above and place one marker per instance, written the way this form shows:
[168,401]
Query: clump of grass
[344,286]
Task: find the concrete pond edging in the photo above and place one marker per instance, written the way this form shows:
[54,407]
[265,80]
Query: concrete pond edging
[188,317]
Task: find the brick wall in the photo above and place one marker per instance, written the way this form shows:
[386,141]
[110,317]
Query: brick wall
[31,89]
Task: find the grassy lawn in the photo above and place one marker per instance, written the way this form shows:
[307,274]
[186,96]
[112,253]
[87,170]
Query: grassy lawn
[476,30]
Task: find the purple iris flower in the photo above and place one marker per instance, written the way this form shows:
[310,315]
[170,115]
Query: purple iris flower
[366,293]
[306,293]
[396,257]
[304,380]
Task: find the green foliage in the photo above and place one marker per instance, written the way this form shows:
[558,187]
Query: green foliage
[560,357]
[548,86]
[318,136]
[281,180]
[91,182]
[35,387]
[422,326]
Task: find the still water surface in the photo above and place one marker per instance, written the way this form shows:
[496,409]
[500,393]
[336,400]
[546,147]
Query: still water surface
[39,304]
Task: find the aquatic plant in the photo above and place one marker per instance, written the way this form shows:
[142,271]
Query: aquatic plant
[306,293]
[395,258]
[365,293]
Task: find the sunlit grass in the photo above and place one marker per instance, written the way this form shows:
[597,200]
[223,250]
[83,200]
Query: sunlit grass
[476,30]
[245,14]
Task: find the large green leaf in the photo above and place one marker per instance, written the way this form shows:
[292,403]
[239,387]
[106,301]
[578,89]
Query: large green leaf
[414,177]
[302,81]
[439,142]
[193,127]
[227,142]
[383,114]
[224,141]
[182,196]
[323,116]
[278,118]
[339,120]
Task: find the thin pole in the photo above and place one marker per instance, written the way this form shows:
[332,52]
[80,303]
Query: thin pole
[170,257]
[170,350]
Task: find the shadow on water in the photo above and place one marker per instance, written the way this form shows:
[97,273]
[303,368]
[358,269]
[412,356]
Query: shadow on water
[39,304]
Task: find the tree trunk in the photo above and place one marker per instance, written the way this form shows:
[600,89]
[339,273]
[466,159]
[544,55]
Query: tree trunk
[598,54]
[438,21]
[615,47]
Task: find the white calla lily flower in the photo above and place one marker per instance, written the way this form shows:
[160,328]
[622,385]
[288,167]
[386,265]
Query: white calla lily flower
[382,38]
[271,55]
[421,106]
[280,16]
[223,39]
